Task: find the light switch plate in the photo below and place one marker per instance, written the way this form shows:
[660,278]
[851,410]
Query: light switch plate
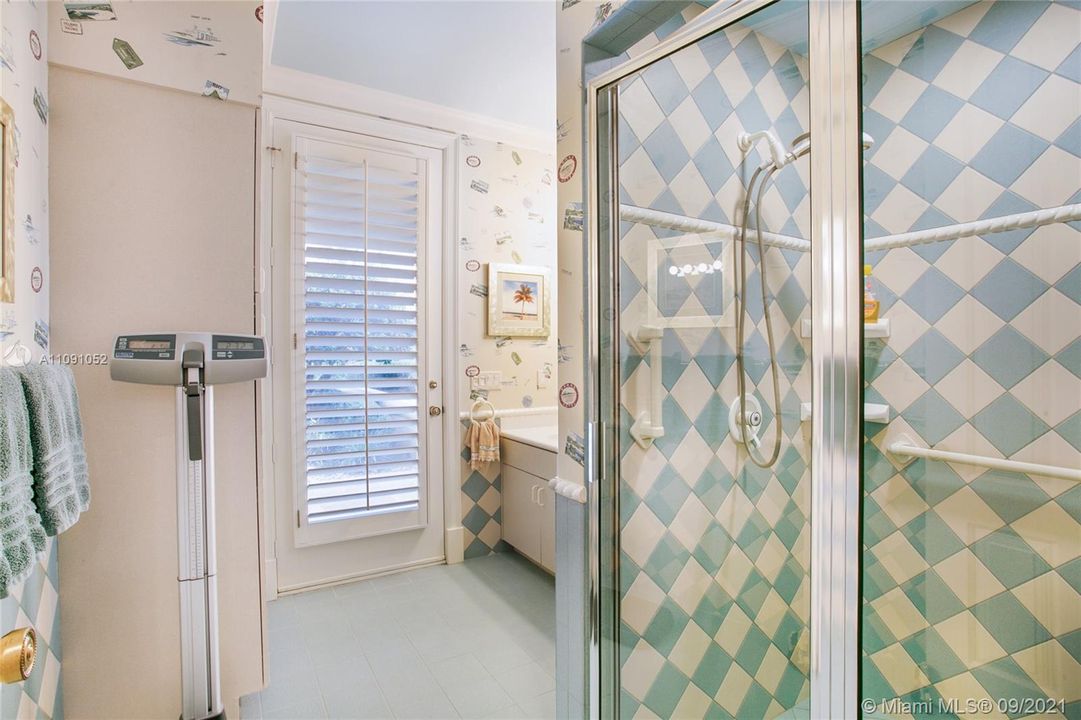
[487,380]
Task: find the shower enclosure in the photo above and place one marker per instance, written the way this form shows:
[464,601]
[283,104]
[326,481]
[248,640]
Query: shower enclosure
[799,510]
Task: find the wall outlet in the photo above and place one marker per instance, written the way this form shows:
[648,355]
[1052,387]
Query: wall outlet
[542,380]
[487,380]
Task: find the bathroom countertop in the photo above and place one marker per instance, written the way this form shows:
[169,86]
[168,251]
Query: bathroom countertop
[544,438]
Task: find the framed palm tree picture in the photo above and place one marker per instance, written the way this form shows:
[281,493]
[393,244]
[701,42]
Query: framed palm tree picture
[519,301]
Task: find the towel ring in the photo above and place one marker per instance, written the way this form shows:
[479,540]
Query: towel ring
[479,403]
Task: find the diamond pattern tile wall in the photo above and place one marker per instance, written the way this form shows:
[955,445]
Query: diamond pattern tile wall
[966,120]
[714,550]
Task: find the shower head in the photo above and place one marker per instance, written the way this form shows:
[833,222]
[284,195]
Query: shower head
[801,145]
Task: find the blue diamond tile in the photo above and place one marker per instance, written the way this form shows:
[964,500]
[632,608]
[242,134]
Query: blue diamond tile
[1070,140]
[1009,357]
[876,186]
[715,48]
[1070,284]
[932,356]
[752,58]
[932,217]
[931,112]
[713,165]
[712,102]
[751,113]
[1008,86]
[1008,289]
[1009,558]
[1005,23]
[1008,424]
[1071,66]
[932,173]
[628,141]
[1070,357]
[790,77]
[933,294]
[1008,154]
[1070,430]
[664,81]
[666,151]
[932,417]
[1008,203]
[667,494]
[930,53]
[715,357]
[1010,495]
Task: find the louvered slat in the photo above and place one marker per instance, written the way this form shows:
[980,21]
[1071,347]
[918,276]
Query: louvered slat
[359,230]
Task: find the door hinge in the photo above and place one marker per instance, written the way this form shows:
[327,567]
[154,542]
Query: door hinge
[298,518]
[294,341]
[273,154]
[296,160]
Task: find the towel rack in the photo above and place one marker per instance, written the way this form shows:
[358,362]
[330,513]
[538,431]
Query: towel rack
[481,402]
[903,446]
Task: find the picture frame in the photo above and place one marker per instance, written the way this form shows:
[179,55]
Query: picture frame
[519,300]
[7,204]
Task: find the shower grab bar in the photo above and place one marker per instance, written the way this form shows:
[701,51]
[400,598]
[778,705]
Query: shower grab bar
[514,412]
[1004,223]
[659,218]
[905,447]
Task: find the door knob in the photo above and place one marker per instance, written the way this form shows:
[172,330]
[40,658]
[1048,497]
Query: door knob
[435,411]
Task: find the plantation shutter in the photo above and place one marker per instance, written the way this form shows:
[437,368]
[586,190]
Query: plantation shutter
[359,222]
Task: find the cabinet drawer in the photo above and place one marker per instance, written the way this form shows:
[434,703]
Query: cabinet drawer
[535,461]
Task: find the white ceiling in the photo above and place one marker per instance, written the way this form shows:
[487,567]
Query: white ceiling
[495,59]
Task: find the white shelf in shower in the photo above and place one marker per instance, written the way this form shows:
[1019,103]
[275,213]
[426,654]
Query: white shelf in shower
[872,412]
[871,331]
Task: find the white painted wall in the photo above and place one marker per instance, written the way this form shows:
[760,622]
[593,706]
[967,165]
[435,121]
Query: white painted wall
[488,58]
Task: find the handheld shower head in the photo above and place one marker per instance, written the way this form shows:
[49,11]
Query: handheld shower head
[801,145]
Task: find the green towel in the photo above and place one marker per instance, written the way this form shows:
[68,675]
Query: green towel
[22,538]
[61,480]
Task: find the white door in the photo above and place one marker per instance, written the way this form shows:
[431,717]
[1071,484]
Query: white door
[356,292]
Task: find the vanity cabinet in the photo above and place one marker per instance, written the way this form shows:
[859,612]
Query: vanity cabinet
[529,517]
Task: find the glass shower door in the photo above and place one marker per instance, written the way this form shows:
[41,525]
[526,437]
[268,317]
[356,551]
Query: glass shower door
[711,559]
[972,566]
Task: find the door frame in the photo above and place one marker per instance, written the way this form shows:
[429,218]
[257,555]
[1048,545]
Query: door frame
[836,362]
[277,108]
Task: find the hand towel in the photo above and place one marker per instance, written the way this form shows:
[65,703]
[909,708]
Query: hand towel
[22,538]
[61,479]
[483,441]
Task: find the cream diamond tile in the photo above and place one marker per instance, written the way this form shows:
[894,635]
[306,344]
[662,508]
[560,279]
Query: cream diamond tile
[692,391]
[968,324]
[734,511]
[967,439]
[733,79]
[900,385]
[968,578]
[899,501]
[899,210]
[1050,180]
[771,670]
[736,33]
[691,128]
[50,679]
[490,501]
[639,604]
[772,96]
[1051,321]
[691,65]
[727,134]
[1051,392]
[690,190]
[772,557]
[691,457]
[899,558]
[900,671]
[640,670]
[640,178]
[1051,532]
[733,630]
[689,649]
[771,49]
[693,704]
[634,250]
[734,571]
[968,260]
[639,109]
[641,535]
[1052,601]
[898,152]
[968,132]
[1050,251]
[968,196]
[1051,38]
[734,688]
[899,614]
[968,516]
[730,197]
[690,585]
[899,269]
[898,95]
[1050,449]
[644,713]
[967,69]
[641,468]
[906,326]
[894,51]
[1047,112]
[969,639]
[772,501]
[959,689]
[968,388]
[771,613]
[691,522]
[1053,669]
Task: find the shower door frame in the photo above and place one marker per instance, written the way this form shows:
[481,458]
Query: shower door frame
[837,329]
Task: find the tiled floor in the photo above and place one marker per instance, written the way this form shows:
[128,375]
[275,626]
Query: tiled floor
[474,640]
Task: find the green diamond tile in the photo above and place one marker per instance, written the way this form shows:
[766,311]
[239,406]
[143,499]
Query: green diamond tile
[666,562]
[476,519]
[711,670]
[877,469]
[666,627]
[926,701]
[790,524]
[788,690]
[1071,502]
[713,548]
[1071,573]
[1070,430]
[713,417]
[932,597]
[755,703]
[628,706]
[666,691]
[873,684]
[933,481]
[932,356]
[1005,679]
[753,594]
[1008,424]
[752,650]
[667,494]
[931,537]
[754,535]
[712,609]
[676,425]
[713,485]
[876,636]
[1010,624]
[933,655]
[1072,643]
[787,633]
[1011,495]
[628,503]
[789,579]
[1009,558]
[932,417]
[876,581]
[475,486]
